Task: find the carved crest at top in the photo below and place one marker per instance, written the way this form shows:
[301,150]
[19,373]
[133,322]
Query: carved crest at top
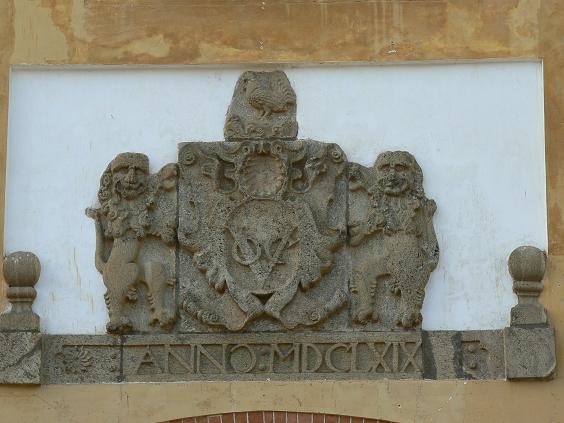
[263,231]
[263,106]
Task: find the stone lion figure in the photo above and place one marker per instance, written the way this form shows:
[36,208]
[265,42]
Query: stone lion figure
[397,219]
[125,221]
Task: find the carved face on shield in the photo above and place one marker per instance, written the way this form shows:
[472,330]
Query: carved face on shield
[396,173]
[129,174]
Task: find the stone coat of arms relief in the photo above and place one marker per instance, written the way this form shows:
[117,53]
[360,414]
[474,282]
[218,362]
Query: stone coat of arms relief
[264,231]
[267,256]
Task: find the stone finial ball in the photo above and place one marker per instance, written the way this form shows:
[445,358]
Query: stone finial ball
[527,263]
[21,269]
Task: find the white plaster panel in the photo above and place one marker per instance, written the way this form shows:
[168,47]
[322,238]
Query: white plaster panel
[476,129]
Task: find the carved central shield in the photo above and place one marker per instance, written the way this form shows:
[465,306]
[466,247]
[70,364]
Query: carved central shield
[259,223]
[263,243]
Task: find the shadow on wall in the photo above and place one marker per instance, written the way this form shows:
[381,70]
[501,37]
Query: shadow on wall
[275,417]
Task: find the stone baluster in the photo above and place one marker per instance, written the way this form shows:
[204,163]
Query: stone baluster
[21,272]
[527,266]
[530,351]
[20,339]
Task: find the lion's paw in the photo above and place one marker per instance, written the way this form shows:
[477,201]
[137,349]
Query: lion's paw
[365,315]
[165,318]
[409,319]
[119,326]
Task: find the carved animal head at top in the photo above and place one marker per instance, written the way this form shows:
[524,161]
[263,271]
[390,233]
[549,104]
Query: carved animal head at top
[127,176]
[397,173]
[250,81]
[268,89]
[248,76]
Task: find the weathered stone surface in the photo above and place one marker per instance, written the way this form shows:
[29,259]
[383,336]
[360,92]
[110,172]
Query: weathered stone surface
[20,357]
[261,229]
[20,342]
[273,355]
[263,107]
[440,350]
[393,244]
[135,243]
[250,356]
[527,265]
[475,354]
[522,352]
[21,272]
[529,342]
[530,352]
[481,354]
[81,359]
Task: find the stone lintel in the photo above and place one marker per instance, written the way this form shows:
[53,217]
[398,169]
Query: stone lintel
[261,356]
[529,352]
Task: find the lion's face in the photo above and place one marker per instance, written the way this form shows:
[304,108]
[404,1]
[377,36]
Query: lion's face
[129,178]
[394,172]
[130,182]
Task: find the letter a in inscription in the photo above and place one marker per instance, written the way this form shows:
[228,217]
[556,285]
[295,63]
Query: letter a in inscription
[148,361]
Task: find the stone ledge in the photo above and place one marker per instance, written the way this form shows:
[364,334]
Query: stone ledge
[20,358]
[530,352]
[430,355]
[517,352]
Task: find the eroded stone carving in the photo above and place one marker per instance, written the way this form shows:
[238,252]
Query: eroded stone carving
[394,247]
[263,106]
[274,233]
[381,355]
[20,357]
[260,226]
[81,359]
[482,355]
[135,243]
